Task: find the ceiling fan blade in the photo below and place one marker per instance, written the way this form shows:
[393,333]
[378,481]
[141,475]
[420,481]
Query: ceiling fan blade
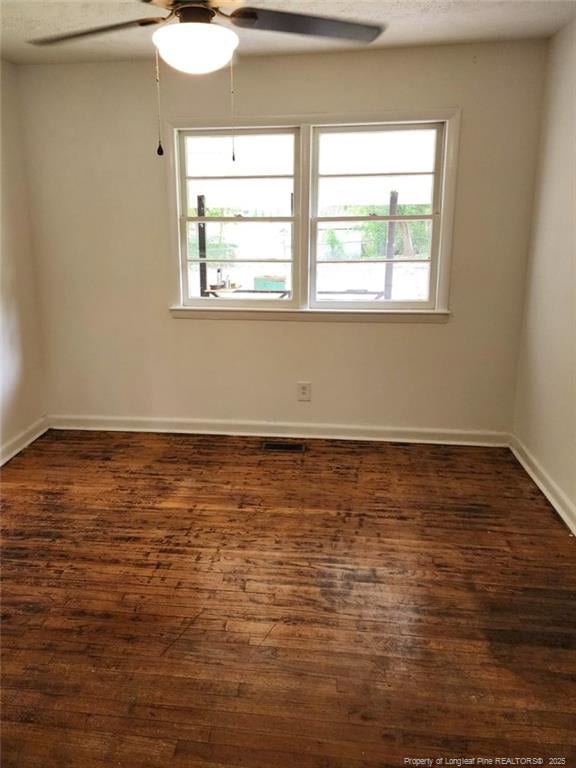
[302,24]
[166,4]
[53,39]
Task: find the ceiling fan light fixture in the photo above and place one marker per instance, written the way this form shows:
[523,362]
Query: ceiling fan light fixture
[195,48]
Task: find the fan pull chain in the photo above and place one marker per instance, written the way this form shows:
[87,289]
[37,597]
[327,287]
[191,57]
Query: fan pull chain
[232,106]
[160,149]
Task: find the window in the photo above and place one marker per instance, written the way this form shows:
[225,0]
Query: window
[238,228]
[330,217]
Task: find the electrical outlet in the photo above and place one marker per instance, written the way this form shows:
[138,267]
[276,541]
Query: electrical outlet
[304,391]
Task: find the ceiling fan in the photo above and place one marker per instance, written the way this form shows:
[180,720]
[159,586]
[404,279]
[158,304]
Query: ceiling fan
[196,45]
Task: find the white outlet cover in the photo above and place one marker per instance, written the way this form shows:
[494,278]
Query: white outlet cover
[304,389]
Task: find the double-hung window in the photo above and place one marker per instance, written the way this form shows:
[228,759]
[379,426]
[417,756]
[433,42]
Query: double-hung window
[373,211]
[329,217]
[238,223]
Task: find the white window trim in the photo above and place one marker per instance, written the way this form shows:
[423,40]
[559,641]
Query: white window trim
[300,307]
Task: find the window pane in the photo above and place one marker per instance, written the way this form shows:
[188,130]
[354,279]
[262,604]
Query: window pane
[374,240]
[229,280]
[377,151]
[227,241]
[361,196]
[255,155]
[246,197]
[372,282]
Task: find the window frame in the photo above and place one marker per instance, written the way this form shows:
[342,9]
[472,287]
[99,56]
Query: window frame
[301,306]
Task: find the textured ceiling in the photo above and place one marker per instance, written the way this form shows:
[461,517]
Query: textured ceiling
[409,22]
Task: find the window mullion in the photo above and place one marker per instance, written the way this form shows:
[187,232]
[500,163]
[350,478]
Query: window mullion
[375,261]
[239,261]
[238,219]
[249,177]
[313,238]
[375,174]
[396,217]
[301,214]
[182,226]
[437,208]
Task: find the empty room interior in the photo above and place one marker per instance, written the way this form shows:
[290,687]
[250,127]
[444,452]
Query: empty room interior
[288,383]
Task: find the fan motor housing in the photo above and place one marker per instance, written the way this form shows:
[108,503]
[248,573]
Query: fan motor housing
[197,14]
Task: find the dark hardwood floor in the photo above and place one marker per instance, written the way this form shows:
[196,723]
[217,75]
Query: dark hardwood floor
[176,600]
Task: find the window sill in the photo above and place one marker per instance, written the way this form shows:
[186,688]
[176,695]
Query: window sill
[313,315]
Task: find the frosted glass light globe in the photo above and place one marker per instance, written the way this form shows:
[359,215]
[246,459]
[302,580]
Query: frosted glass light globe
[195,48]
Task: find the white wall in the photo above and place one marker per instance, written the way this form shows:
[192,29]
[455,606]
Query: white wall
[109,273]
[545,413]
[21,380]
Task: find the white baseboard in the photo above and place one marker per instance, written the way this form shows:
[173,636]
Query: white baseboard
[555,495]
[19,442]
[282,429]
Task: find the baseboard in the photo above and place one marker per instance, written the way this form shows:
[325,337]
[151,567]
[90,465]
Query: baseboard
[281,429]
[24,438]
[555,495]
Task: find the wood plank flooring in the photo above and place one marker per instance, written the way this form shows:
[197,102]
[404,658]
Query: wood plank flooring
[176,600]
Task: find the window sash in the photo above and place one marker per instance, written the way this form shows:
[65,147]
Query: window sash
[184,220]
[383,305]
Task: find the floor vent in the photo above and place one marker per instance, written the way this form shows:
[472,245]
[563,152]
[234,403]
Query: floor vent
[283,447]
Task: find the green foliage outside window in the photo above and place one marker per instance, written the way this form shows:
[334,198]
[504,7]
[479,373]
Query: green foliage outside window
[411,239]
